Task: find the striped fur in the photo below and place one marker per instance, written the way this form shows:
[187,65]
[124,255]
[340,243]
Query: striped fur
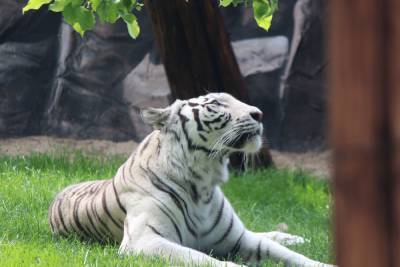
[166,198]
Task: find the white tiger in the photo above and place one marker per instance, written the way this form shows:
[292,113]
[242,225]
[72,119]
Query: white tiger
[166,199]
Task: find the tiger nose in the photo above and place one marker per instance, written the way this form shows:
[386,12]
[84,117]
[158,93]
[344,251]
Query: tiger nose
[257,115]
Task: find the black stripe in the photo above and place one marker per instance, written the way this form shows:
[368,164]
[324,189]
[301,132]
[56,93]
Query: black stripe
[236,247]
[192,104]
[178,204]
[191,146]
[75,216]
[195,174]
[228,230]
[172,190]
[51,217]
[197,119]
[217,219]
[117,198]
[184,189]
[99,219]
[158,149]
[216,102]
[160,185]
[211,110]
[223,125]
[184,151]
[174,134]
[217,119]
[154,230]
[62,217]
[145,145]
[165,206]
[194,194]
[203,137]
[207,201]
[98,235]
[54,213]
[104,205]
[258,254]
[178,232]
[175,165]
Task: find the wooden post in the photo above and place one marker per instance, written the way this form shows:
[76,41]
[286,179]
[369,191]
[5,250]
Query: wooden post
[365,130]
[393,57]
[196,52]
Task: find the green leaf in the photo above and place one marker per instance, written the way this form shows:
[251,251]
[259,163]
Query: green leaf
[237,2]
[225,3]
[59,5]
[80,18]
[95,4]
[107,11]
[264,22]
[35,4]
[263,12]
[132,24]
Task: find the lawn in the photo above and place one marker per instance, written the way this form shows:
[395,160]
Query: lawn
[263,200]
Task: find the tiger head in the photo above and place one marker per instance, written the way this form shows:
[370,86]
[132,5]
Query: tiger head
[213,122]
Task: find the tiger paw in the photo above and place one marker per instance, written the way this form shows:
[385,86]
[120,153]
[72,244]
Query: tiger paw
[285,239]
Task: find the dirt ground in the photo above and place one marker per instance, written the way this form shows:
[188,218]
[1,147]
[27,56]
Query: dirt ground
[318,163]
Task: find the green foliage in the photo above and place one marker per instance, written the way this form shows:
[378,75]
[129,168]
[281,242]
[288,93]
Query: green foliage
[35,4]
[29,184]
[81,14]
[263,10]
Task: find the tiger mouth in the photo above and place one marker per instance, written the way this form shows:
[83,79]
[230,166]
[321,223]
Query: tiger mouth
[241,139]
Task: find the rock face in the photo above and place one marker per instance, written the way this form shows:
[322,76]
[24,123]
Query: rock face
[304,102]
[54,82]
[28,54]
[86,99]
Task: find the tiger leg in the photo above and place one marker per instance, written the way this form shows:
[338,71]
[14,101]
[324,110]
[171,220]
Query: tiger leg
[256,248]
[140,239]
[284,238]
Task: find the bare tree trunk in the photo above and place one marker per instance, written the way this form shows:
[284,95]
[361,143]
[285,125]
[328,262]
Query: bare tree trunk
[197,55]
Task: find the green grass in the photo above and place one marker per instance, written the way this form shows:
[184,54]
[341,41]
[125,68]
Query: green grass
[262,200]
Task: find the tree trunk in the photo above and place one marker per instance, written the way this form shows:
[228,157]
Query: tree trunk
[196,52]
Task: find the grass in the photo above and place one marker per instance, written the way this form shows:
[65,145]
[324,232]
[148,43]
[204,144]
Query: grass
[28,185]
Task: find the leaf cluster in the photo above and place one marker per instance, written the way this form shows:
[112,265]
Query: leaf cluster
[263,10]
[82,14]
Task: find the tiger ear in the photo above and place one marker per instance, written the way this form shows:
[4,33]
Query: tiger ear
[156,117]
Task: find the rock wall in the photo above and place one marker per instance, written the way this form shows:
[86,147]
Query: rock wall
[28,55]
[54,82]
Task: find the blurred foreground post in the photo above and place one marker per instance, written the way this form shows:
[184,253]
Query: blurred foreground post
[365,130]
[393,57]
[197,54]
